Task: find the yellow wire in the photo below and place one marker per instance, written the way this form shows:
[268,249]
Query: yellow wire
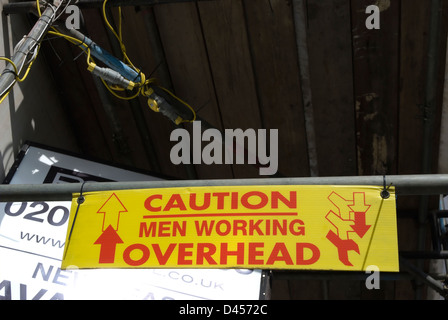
[16,71]
[69,38]
[118,36]
[143,83]
[108,24]
[38,8]
[118,96]
[12,63]
[181,101]
[89,62]
[27,69]
[120,31]
[73,40]
[5,95]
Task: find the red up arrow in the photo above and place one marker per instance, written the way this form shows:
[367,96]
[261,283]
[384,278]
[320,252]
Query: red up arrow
[108,241]
[112,209]
[360,208]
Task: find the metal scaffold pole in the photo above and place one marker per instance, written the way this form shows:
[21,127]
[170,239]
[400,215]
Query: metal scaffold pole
[25,47]
[431,184]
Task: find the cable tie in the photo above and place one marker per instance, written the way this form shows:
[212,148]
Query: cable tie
[33,45]
[83,42]
[81,197]
[10,71]
[80,201]
[44,19]
[385,194]
[138,75]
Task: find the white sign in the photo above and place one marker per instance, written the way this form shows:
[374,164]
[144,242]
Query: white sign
[32,239]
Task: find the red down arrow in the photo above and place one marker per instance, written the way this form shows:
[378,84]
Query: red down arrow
[360,226]
[360,209]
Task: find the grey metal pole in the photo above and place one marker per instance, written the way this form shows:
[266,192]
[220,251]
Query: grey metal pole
[434,184]
[438,286]
[429,119]
[300,25]
[25,47]
[19,7]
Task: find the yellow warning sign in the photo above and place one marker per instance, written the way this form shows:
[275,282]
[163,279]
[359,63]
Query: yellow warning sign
[262,227]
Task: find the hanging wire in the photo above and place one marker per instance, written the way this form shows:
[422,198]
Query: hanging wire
[34,49]
[143,87]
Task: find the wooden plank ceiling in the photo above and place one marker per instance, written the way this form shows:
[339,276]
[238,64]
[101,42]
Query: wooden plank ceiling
[237,63]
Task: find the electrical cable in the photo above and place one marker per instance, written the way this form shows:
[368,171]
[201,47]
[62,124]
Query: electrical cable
[119,36]
[69,2]
[16,71]
[38,8]
[145,88]
[159,99]
[32,48]
[143,85]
